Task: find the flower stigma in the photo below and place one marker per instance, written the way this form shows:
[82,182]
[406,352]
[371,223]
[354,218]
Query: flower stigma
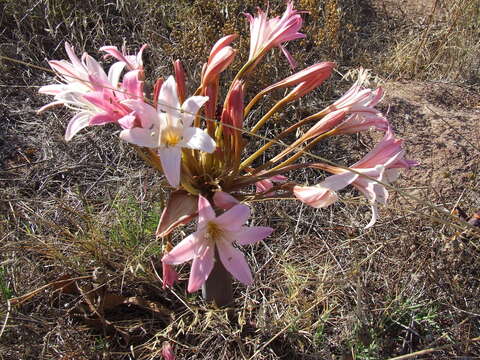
[214,232]
[171,137]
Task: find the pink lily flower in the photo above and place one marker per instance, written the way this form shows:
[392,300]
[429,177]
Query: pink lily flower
[132,62]
[80,75]
[103,106]
[267,33]
[381,164]
[307,79]
[90,111]
[353,112]
[358,94]
[169,128]
[217,234]
[388,153]
[92,93]
[349,120]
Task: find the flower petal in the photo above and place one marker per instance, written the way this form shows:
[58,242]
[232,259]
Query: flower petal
[169,275]
[114,73]
[180,209]
[96,74]
[201,268]
[315,196]
[234,218]
[168,101]
[101,119]
[290,59]
[147,113]
[190,108]
[197,139]
[170,158]
[224,200]
[128,121]
[234,261]
[374,217]
[78,122]
[53,89]
[205,212]
[132,84]
[139,136]
[251,235]
[184,250]
[339,181]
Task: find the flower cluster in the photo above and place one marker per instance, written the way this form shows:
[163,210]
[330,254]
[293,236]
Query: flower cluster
[202,153]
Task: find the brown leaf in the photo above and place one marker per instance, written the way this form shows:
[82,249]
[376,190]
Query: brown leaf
[152,306]
[181,209]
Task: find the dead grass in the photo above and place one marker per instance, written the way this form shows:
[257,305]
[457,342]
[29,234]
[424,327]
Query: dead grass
[324,288]
[443,44]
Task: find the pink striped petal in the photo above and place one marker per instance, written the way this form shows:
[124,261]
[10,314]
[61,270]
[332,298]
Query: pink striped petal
[139,136]
[235,263]
[170,158]
[234,218]
[224,200]
[101,119]
[132,85]
[201,268]
[315,196]
[146,113]
[250,235]
[290,59]
[77,123]
[205,212]
[197,139]
[184,250]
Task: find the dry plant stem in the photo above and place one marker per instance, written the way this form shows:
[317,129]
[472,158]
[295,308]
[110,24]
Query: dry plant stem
[218,287]
[253,102]
[269,114]
[287,151]
[300,152]
[252,179]
[243,72]
[284,133]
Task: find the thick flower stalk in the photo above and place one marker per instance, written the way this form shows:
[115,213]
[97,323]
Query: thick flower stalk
[197,142]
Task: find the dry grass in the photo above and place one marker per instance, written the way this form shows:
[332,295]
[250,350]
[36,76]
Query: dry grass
[324,288]
[443,46]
